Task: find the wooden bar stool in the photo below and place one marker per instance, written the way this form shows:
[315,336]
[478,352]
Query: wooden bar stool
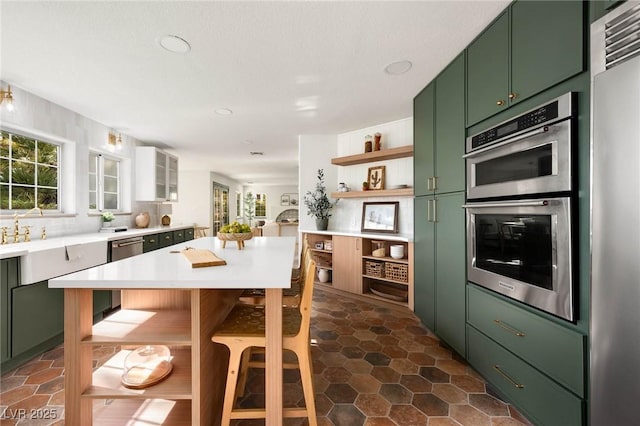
[244,328]
[200,231]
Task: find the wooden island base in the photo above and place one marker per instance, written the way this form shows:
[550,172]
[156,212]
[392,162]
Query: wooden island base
[184,320]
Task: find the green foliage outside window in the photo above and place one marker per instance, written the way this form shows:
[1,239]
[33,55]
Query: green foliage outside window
[28,173]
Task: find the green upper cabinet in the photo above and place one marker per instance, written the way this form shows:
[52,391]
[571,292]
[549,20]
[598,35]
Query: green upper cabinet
[532,46]
[423,122]
[439,133]
[449,128]
[488,71]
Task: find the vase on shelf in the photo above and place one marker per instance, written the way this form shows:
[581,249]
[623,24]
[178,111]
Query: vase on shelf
[142,220]
[322,224]
[323,275]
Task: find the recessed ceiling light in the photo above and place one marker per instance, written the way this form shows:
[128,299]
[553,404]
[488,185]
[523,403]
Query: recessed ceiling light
[175,44]
[247,142]
[223,111]
[256,153]
[397,68]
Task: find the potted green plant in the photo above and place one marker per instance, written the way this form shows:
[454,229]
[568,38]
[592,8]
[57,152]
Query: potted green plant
[107,218]
[318,203]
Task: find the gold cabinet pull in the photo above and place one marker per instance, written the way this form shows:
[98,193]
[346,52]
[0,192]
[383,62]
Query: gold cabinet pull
[435,210]
[506,376]
[435,183]
[500,102]
[508,328]
[513,95]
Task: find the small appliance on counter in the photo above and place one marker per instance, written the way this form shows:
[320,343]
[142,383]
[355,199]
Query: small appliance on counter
[114,229]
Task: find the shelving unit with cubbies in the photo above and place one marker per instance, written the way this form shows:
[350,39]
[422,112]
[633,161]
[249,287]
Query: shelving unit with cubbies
[321,247]
[385,277]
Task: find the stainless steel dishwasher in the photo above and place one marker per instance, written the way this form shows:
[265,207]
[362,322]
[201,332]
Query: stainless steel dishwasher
[122,249]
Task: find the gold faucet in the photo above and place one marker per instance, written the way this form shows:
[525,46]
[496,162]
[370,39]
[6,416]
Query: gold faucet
[16,228]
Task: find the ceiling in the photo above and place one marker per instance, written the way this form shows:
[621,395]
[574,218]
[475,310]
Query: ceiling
[283,68]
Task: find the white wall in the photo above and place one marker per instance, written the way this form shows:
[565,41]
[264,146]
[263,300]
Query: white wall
[398,171]
[315,152]
[41,118]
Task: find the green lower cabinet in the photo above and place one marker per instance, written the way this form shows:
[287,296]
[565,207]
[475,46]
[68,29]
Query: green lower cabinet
[151,243]
[101,301]
[540,399]
[9,279]
[178,236]
[165,239]
[530,337]
[188,234]
[37,316]
[424,281]
[439,266]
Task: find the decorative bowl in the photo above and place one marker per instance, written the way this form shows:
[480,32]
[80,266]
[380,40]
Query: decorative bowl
[239,238]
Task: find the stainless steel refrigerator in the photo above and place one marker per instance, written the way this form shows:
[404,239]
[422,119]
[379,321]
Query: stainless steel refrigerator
[615,220]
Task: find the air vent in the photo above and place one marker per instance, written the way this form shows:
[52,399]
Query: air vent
[622,37]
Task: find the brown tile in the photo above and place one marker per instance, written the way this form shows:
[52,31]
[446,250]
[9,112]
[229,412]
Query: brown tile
[388,340]
[57,398]
[364,383]
[519,416]
[430,404]
[336,375]
[411,345]
[404,366]
[358,366]
[11,382]
[31,403]
[466,415]
[365,335]
[488,404]
[449,393]
[348,341]
[33,367]
[44,376]
[427,340]
[505,421]
[51,386]
[373,405]
[377,358]
[442,421]
[421,358]
[394,352]
[396,393]
[333,359]
[416,383]
[385,374]
[323,404]
[346,414]
[54,354]
[434,375]
[438,352]
[341,393]
[370,345]
[15,395]
[407,415]
[451,366]
[468,384]
[379,421]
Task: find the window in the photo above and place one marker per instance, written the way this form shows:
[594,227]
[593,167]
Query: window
[104,182]
[238,205]
[29,173]
[261,205]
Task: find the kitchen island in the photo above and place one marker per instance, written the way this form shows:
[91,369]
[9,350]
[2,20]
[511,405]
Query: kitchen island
[166,301]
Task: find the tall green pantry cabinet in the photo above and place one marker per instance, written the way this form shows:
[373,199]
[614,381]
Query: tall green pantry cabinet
[439,220]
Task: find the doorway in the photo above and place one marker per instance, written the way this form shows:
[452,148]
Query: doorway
[220,207]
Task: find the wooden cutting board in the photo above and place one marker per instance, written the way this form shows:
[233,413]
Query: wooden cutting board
[201,258]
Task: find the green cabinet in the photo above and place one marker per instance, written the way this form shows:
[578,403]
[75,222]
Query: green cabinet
[439,133]
[423,141]
[439,271]
[178,236]
[532,46]
[165,239]
[188,234]
[540,399]
[151,242]
[9,279]
[424,285]
[37,316]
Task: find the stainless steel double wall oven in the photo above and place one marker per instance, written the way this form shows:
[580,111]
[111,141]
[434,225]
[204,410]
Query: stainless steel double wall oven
[519,207]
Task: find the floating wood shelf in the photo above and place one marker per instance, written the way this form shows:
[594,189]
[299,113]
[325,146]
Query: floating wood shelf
[369,157]
[403,192]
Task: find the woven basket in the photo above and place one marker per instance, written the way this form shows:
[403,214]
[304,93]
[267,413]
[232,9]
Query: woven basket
[373,269]
[396,272]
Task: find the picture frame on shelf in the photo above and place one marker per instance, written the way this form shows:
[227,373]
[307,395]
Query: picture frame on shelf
[285,200]
[375,178]
[380,217]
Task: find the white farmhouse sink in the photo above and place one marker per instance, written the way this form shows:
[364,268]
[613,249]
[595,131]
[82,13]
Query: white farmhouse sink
[53,258]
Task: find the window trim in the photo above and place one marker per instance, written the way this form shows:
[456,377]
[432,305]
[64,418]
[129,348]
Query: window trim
[263,202]
[42,138]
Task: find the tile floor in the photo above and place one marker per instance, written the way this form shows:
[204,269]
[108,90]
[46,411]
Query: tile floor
[373,366]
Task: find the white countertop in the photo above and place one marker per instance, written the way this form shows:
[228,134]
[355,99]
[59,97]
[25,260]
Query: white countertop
[22,248]
[265,262]
[407,238]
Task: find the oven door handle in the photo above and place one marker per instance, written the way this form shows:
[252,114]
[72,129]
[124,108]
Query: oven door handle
[501,205]
[542,129]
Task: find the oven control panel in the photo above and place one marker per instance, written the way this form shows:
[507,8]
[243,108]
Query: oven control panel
[555,110]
